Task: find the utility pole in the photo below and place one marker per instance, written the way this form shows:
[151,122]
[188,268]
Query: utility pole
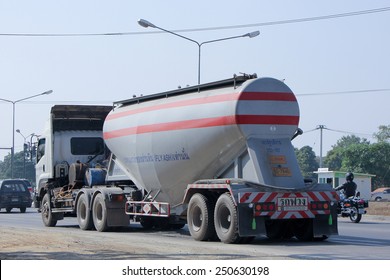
[321,127]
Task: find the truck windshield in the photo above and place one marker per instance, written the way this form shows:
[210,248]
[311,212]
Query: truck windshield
[87,146]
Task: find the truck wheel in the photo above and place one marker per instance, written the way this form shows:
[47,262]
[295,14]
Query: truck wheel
[99,213]
[147,223]
[199,218]
[47,215]
[84,216]
[225,219]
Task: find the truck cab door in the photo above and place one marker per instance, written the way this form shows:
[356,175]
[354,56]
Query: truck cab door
[42,167]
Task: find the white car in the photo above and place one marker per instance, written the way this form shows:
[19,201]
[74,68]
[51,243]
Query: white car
[381,195]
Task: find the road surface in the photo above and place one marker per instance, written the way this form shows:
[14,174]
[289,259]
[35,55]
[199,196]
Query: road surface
[23,236]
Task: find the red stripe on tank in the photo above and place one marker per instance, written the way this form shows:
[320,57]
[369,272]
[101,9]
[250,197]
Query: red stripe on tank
[204,123]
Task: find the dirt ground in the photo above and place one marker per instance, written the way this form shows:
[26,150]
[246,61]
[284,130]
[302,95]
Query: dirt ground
[32,244]
[69,244]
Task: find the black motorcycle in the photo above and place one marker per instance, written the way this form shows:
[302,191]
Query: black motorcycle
[352,207]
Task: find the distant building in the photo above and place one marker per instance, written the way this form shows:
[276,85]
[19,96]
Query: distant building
[336,178]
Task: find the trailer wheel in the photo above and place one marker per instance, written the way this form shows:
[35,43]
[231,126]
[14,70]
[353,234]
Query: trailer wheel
[84,216]
[225,219]
[199,218]
[147,223]
[99,213]
[47,216]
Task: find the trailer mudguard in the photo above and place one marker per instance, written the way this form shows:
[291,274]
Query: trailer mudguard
[115,200]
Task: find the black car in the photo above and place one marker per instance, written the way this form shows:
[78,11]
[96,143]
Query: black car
[14,193]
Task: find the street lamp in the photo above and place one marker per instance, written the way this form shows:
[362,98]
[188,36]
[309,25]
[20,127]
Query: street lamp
[13,123]
[146,24]
[24,150]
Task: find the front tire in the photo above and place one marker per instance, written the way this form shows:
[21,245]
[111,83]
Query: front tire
[99,213]
[200,218]
[47,216]
[226,219]
[84,216]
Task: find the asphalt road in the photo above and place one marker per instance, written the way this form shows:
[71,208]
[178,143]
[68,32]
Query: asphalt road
[367,240]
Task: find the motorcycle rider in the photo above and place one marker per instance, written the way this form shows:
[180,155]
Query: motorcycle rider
[349,187]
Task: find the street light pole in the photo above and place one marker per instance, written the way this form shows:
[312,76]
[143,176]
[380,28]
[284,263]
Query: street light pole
[24,150]
[13,123]
[321,127]
[146,24]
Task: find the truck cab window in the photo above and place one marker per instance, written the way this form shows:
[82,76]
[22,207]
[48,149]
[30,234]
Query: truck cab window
[41,149]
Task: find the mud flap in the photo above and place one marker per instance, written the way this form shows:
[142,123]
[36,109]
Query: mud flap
[116,217]
[326,224]
[115,206]
[248,225]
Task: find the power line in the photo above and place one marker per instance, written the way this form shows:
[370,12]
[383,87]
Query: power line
[346,92]
[339,131]
[269,23]
[349,132]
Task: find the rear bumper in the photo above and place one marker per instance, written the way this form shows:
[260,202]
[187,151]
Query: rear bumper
[15,204]
[256,209]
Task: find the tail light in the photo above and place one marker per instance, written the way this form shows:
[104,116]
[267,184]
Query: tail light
[263,207]
[319,205]
[117,197]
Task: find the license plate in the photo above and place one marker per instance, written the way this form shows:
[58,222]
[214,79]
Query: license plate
[15,199]
[292,204]
[361,211]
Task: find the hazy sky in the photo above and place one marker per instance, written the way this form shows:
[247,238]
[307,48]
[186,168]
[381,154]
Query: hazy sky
[338,67]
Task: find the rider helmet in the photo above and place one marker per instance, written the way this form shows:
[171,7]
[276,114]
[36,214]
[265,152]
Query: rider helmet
[349,176]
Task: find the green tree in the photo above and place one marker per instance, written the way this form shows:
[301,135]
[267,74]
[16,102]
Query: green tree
[384,133]
[307,161]
[23,167]
[352,153]
[334,158]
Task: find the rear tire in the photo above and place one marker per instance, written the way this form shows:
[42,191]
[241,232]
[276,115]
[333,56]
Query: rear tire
[47,216]
[99,213]
[226,220]
[22,209]
[84,216]
[8,209]
[200,218]
[354,215]
[147,223]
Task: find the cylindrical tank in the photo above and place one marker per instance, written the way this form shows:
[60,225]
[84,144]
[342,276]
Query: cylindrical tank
[168,142]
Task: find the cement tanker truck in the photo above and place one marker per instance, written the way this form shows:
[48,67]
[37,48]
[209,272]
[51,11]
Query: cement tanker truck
[217,157]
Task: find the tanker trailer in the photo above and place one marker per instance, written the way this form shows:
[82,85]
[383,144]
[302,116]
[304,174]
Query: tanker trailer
[219,156]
